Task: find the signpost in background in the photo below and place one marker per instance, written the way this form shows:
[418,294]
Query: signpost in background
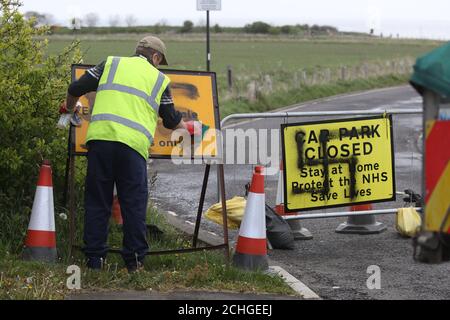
[208,5]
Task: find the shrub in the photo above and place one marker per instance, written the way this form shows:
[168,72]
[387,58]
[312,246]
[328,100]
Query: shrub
[187,27]
[217,29]
[274,31]
[286,29]
[31,87]
[257,27]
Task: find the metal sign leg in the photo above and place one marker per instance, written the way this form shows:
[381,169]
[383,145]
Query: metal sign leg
[224,212]
[72,209]
[66,177]
[200,205]
[298,231]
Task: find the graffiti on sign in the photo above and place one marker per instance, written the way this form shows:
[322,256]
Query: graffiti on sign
[337,163]
[194,94]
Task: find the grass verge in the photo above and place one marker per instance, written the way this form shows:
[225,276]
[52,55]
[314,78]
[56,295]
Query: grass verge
[199,271]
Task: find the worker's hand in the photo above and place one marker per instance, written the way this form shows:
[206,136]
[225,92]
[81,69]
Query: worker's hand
[63,108]
[194,128]
[76,119]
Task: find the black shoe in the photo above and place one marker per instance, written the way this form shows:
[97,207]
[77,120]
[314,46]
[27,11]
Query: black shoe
[132,268]
[95,263]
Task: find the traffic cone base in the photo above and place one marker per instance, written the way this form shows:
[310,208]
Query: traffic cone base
[40,254]
[251,247]
[361,224]
[250,262]
[40,243]
[298,231]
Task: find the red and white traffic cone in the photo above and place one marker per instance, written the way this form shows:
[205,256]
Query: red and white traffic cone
[116,213]
[40,243]
[298,231]
[251,248]
[366,224]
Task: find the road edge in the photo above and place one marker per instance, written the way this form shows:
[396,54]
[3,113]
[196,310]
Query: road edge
[212,239]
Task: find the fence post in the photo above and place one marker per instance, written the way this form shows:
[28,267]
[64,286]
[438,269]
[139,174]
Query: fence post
[296,80]
[327,75]
[268,85]
[304,78]
[230,78]
[393,67]
[344,73]
[251,91]
[314,78]
[365,71]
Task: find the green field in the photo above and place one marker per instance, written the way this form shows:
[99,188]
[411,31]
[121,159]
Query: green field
[257,56]
[251,58]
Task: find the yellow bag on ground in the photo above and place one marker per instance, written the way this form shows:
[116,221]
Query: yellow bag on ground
[235,212]
[408,222]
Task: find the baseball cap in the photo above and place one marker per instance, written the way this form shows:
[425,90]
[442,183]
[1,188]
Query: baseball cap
[155,44]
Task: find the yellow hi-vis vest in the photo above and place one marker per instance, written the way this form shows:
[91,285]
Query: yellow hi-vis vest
[127,103]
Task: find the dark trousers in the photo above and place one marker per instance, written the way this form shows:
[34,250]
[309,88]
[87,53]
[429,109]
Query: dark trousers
[108,163]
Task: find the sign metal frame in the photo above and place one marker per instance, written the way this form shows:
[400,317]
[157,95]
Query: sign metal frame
[215,106]
[69,191]
[283,146]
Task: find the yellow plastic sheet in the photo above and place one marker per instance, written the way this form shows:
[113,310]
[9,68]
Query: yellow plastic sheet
[408,222]
[235,212]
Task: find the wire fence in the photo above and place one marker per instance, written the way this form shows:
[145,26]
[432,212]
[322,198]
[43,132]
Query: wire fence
[253,86]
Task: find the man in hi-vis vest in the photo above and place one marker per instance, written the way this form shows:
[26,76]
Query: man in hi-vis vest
[131,94]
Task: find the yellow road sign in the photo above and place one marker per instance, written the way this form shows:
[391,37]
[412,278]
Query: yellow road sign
[338,163]
[195,96]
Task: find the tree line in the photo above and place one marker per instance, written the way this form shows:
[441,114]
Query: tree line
[129,24]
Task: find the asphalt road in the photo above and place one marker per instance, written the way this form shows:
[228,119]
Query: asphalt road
[333,265]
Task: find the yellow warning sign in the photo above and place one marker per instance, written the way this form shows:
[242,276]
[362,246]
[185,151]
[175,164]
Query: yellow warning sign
[194,94]
[338,163]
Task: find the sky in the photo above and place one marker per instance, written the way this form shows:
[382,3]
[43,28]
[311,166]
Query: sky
[408,18]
